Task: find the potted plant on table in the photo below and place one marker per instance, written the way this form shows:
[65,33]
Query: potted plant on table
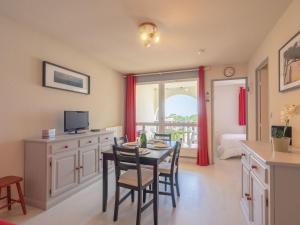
[281,142]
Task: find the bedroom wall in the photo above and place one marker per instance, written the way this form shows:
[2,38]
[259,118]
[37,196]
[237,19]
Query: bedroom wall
[286,27]
[226,111]
[27,107]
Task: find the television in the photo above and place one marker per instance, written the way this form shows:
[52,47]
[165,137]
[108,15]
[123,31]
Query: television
[75,121]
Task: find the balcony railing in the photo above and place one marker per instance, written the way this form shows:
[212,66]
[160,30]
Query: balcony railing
[186,130]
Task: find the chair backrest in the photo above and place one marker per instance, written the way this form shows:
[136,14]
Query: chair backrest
[175,156]
[163,137]
[120,140]
[127,159]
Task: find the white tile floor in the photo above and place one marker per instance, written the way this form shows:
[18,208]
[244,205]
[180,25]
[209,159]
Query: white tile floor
[209,196]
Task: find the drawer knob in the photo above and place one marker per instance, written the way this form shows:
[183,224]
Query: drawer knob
[247,195]
[66,146]
[81,167]
[249,198]
[254,167]
[77,168]
[243,154]
[90,141]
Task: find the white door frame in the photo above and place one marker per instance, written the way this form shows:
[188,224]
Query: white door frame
[257,73]
[212,110]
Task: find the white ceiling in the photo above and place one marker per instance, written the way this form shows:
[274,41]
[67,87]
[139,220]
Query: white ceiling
[229,30]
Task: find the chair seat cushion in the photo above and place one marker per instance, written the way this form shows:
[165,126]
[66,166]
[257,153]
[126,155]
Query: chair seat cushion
[165,167]
[131,178]
[2,222]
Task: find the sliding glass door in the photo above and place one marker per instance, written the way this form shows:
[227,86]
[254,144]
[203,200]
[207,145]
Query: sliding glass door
[168,107]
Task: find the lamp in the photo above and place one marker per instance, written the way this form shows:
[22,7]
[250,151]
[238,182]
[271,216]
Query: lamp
[149,33]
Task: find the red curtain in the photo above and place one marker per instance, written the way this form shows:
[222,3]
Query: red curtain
[2,222]
[242,106]
[130,119]
[202,158]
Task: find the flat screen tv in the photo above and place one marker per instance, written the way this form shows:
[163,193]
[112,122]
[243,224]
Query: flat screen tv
[75,121]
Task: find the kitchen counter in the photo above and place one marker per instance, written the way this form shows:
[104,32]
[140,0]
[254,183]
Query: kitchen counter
[264,151]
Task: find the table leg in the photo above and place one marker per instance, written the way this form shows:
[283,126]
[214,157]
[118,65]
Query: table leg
[104,183]
[155,194]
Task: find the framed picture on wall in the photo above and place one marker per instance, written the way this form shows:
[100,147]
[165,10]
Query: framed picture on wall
[59,77]
[289,64]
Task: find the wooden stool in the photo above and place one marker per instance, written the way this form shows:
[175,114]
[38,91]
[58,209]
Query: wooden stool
[6,182]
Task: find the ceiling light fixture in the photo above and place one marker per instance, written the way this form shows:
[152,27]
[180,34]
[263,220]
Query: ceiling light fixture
[149,33]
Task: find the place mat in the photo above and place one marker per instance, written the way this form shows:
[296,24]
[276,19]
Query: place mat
[160,145]
[154,147]
[132,144]
[142,151]
[154,141]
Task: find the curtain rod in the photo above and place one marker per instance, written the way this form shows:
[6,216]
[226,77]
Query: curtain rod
[171,71]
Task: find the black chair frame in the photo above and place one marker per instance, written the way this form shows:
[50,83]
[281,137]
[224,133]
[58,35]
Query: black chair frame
[128,159]
[172,177]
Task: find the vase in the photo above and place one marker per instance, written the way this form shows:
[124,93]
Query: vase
[281,144]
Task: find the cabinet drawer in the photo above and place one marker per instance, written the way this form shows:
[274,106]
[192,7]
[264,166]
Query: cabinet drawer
[259,169]
[106,138]
[245,157]
[88,141]
[63,146]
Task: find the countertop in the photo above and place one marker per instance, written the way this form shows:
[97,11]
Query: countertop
[264,151]
[64,137]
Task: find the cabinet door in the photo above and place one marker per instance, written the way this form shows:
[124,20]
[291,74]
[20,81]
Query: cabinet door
[89,160]
[64,172]
[259,197]
[246,191]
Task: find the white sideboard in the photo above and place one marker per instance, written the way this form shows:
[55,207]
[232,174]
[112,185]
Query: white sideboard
[270,185]
[57,168]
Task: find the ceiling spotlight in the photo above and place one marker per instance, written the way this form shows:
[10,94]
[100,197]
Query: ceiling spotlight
[149,33]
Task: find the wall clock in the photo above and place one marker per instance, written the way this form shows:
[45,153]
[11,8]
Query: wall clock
[229,71]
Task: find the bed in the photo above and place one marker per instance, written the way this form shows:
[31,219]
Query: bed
[230,145]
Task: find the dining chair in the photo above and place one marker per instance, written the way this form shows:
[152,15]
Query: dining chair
[163,137]
[120,140]
[169,170]
[134,178]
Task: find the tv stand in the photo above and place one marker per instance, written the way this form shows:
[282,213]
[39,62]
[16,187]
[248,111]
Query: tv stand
[57,168]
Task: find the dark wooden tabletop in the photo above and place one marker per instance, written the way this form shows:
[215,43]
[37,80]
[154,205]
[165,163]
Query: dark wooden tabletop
[154,155]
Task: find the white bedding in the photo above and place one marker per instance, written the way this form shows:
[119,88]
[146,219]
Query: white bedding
[230,145]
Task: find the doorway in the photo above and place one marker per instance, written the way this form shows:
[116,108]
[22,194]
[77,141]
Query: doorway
[226,128]
[262,103]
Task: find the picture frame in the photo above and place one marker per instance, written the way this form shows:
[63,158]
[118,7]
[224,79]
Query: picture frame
[59,77]
[289,64]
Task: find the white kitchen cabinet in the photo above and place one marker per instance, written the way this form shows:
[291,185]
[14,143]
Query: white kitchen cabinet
[258,202]
[270,185]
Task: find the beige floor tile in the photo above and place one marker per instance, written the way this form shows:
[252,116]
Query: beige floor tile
[209,196]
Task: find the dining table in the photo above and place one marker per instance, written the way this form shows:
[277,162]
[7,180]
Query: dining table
[153,158]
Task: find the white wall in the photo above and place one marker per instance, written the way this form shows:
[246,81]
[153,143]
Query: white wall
[27,107]
[286,27]
[226,111]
